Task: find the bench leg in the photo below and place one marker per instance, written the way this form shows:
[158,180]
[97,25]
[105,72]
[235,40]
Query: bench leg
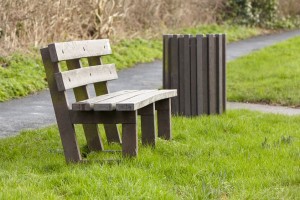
[111,130]
[92,136]
[130,138]
[69,141]
[148,125]
[112,133]
[164,118]
[59,100]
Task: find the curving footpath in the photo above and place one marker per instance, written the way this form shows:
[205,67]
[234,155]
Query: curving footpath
[35,111]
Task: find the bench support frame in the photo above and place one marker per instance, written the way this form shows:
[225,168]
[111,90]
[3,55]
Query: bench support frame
[60,104]
[164,119]
[148,125]
[66,118]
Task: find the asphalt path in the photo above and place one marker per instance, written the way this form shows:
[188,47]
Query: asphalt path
[36,111]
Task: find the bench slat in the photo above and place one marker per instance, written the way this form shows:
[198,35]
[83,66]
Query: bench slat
[142,100]
[110,104]
[84,76]
[88,104]
[79,49]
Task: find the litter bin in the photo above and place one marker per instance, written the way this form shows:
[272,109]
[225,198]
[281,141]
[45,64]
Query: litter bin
[196,67]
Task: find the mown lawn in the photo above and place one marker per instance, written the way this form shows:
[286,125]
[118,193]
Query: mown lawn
[239,155]
[270,75]
[22,74]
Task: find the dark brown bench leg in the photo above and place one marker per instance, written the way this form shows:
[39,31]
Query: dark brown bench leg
[164,118]
[129,137]
[59,99]
[69,141]
[112,133]
[93,138]
[148,124]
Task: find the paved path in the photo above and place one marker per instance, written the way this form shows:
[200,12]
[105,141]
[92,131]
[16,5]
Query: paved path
[36,111]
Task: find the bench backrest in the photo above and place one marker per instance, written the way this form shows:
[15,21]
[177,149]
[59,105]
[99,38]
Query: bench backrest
[78,77]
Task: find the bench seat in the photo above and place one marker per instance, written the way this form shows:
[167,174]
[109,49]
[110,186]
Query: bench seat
[110,109]
[125,100]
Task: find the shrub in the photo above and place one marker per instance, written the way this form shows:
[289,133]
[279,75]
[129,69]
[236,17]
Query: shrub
[38,22]
[251,12]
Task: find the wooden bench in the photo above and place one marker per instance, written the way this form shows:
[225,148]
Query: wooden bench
[106,108]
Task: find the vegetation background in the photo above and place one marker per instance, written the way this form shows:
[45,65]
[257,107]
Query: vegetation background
[238,155]
[134,27]
[33,23]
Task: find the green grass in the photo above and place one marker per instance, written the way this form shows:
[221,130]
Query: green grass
[239,155]
[24,74]
[270,75]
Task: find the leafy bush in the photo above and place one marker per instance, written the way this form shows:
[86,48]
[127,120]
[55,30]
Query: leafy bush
[36,23]
[252,12]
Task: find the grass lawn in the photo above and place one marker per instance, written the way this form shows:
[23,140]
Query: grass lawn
[239,155]
[270,75]
[22,74]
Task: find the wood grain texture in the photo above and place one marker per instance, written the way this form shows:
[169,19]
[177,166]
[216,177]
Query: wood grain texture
[187,76]
[199,75]
[181,78]
[140,101]
[148,125]
[219,61]
[205,71]
[224,71]
[166,61]
[130,137]
[100,87]
[212,74]
[78,49]
[163,108]
[100,117]
[111,130]
[88,104]
[110,104]
[91,131]
[193,79]
[60,104]
[84,76]
[197,68]
[174,70]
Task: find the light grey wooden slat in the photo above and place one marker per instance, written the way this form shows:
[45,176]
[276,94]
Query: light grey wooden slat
[91,131]
[166,65]
[224,71]
[111,130]
[142,100]
[100,87]
[199,75]
[60,104]
[212,75]
[84,76]
[205,75]
[79,49]
[110,104]
[219,61]
[193,79]
[174,68]
[88,104]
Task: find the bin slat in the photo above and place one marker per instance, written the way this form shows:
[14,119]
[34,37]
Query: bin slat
[212,75]
[196,67]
